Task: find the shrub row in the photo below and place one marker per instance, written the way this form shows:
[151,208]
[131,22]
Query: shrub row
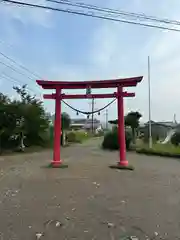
[152,152]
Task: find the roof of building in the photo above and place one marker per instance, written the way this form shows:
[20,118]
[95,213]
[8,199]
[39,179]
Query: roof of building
[77,125]
[142,125]
[78,121]
[84,121]
[163,123]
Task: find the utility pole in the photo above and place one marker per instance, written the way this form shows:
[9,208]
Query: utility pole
[149,93]
[175,119]
[106,119]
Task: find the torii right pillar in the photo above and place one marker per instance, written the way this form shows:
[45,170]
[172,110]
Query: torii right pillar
[123,162]
[121,130]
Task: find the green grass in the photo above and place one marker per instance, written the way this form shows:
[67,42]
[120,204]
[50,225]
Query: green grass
[78,136]
[81,136]
[164,150]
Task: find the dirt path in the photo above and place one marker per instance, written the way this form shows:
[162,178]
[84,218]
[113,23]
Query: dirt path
[88,195]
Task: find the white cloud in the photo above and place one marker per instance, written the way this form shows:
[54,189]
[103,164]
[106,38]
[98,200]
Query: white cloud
[27,15]
[118,50]
[163,47]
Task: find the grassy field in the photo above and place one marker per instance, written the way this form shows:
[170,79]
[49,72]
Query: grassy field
[166,148]
[158,149]
[78,136]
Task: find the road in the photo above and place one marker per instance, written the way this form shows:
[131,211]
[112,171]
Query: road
[88,200]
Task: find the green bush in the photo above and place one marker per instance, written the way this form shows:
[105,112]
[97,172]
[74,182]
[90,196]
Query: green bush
[111,140]
[51,136]
[77,136]
[129,139]
[71,137]
[22,121]
[51,133]
[175,140]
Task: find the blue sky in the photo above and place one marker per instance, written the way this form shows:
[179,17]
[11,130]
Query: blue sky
[60,46]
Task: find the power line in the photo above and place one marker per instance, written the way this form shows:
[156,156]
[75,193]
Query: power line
[13,80]
[17,81]
[89,14]
[114,11]
[20,65]
[17,71]
[17,63]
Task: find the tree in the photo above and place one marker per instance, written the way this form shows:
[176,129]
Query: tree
[65,124]
[132,120]
[22,119]
[32,119]
[110,140]
[4,117]
[65,121]
[175,139]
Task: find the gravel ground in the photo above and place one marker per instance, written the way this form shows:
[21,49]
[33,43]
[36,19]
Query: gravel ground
[88,200]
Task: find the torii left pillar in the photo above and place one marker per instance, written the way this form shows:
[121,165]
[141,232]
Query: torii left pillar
[57,162]
[121,130]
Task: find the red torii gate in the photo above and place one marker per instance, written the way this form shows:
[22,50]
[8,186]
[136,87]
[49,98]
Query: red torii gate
[119,94]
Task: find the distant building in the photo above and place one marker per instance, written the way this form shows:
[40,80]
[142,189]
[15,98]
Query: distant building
[160,130]
[85,124]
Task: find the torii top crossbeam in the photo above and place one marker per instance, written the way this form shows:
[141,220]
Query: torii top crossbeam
[124,82]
